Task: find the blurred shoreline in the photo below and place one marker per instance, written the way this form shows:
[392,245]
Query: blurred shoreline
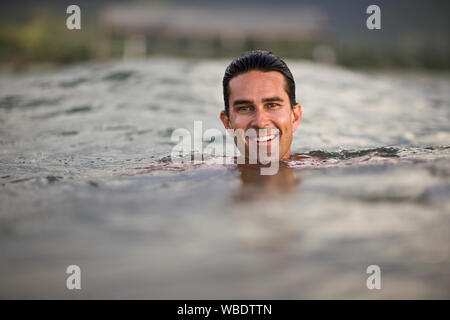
[321,32]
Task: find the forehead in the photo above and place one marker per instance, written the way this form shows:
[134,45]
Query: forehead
[255,85]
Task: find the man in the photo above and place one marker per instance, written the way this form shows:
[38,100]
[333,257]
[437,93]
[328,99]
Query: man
[259,96]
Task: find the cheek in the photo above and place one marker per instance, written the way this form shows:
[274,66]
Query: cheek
[240,122]
[283,121]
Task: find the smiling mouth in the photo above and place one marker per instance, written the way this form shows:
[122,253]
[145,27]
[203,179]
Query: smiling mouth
[265,139]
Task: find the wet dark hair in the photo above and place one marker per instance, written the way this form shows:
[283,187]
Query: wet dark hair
[259,60]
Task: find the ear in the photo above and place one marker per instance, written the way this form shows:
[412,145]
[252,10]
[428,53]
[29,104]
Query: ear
[296,116]
[225,120]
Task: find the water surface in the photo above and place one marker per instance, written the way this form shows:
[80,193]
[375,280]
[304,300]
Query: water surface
[79,148]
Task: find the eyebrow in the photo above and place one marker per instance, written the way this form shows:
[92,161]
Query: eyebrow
[238,102]
[272,99]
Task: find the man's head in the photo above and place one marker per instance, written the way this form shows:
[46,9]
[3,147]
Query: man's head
[259,93]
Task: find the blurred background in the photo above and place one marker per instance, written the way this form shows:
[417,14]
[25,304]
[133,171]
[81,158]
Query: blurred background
[414,33]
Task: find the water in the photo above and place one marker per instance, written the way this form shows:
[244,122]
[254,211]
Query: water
[79,148]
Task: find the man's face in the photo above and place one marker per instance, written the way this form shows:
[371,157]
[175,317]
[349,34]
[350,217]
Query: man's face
[258,100]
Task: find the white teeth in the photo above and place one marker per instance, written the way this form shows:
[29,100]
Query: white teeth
[265,138]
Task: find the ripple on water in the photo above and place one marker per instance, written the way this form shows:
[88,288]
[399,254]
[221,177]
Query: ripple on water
[349,154]
[73,83]
[79,109]
[119,76]
[68,133]
[16,101]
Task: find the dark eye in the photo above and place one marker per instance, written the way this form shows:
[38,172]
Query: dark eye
[272,105]
[244,109]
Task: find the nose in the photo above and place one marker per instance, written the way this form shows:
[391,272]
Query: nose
[261,120]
